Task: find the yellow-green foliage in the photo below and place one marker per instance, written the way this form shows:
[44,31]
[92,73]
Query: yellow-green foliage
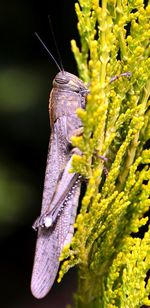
[112,258]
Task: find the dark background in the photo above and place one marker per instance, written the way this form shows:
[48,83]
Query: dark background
[26,74]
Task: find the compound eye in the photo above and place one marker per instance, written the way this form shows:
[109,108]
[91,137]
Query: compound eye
[61,80]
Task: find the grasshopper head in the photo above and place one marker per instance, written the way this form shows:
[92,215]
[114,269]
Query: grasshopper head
[69,82]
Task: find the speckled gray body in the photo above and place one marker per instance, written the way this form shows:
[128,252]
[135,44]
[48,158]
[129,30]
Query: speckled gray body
[61,188]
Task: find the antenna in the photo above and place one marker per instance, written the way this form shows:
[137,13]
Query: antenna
[60,69]
[55,43]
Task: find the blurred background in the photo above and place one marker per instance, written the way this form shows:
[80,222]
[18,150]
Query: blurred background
[26,74]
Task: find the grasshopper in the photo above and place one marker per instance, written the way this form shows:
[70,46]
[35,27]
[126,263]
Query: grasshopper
[61,188]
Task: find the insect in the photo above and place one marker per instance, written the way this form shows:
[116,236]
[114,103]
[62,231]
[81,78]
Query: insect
[61,188]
